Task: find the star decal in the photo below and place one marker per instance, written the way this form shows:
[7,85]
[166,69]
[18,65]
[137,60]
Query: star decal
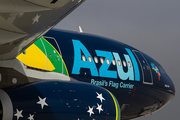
[36,18]
[90,111]
[18,114]
[100,96]
[31,117]
[99,108]
[42,102]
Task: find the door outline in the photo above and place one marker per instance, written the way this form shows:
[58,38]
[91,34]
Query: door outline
[59,50]
[150,83]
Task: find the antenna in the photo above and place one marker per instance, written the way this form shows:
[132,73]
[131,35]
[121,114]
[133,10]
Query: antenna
[80,29]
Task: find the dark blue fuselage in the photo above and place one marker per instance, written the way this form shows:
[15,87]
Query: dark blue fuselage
[139,83]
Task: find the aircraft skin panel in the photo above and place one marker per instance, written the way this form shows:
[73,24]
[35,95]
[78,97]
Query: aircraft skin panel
[43,55]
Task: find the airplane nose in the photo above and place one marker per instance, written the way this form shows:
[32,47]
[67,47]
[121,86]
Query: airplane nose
[160,81]
[160,78]
[168,84]
[163,82]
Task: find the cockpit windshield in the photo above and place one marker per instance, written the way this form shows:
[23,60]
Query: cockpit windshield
[161,70]
[155,65]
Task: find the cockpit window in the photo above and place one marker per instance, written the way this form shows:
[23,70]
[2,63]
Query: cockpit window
[155,65]
[161,70]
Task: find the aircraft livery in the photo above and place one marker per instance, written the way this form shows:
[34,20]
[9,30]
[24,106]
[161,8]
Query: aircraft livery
[129,74]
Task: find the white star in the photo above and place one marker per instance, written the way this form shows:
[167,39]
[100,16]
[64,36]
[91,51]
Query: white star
[18,114]
[90,111]
[31,117]
[99,108]
[42,102]
[100,96]
[36,19]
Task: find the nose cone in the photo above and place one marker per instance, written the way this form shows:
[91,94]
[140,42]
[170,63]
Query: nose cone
[168,83]
[164,83]
[160,78]
[172,87]
[161,81]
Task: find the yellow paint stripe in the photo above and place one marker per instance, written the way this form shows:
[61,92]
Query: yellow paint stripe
[34,57]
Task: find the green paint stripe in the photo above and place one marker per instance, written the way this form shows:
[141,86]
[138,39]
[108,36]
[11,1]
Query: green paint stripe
[53,55]
[116,106]
[57,63]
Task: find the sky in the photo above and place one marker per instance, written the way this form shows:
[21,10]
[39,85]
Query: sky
[152,26]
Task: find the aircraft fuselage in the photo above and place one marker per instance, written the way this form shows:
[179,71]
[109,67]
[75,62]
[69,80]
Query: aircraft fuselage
[139,83]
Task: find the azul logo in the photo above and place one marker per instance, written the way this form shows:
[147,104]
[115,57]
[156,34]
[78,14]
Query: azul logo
[131,74]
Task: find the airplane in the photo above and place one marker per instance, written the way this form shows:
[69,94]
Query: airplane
[55,74]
